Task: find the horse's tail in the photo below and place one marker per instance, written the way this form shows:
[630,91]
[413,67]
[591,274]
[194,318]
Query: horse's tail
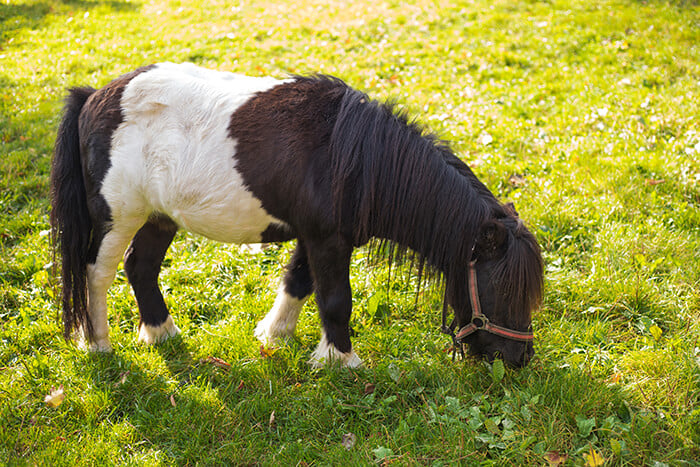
[71,229]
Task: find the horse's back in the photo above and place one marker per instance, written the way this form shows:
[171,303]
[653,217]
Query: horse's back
[172,153]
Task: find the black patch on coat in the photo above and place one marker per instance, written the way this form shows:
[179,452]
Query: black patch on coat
[328,160]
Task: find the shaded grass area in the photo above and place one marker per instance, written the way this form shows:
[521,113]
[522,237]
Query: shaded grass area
[584,114]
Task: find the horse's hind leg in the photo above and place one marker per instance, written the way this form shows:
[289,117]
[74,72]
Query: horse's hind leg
[295,289]
[142,262]
[109,248]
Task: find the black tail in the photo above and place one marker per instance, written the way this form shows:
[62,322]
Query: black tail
[71,228]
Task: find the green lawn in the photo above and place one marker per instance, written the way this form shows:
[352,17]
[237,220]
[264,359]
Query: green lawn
[586,114]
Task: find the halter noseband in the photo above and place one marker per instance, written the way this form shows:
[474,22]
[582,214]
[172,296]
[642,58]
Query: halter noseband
[479,321]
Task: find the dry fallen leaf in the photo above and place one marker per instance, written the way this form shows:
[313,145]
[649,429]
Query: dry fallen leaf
[593,458]
[271,423]
[172,400]
[517,180]
[369,388]
[555,459]
[218,362]
[348,441]
[267,352]
[55,397]
[653,182]
[122,379]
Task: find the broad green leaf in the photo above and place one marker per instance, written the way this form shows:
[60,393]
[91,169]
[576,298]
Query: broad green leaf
[498,371]
[382,453]
[585,425]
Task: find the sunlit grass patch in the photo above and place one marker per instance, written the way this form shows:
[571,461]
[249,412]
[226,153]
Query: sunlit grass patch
[582,113]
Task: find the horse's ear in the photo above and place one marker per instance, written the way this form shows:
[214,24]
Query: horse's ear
[491,239]
[510,207]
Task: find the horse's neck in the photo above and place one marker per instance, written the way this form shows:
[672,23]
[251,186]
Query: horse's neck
[437,215]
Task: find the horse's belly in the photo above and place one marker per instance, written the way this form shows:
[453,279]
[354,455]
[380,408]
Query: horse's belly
[235,216]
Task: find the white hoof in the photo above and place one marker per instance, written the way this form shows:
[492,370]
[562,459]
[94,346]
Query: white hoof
[326,354]
[102,345]
[154,334]
[97,345]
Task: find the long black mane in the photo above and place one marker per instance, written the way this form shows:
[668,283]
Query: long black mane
[395,182]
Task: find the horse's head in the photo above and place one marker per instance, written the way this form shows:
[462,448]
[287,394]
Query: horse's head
[503,286]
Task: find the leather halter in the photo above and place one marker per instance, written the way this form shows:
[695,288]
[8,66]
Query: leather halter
[479,321]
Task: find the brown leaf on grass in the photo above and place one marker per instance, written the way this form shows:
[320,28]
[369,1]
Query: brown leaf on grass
[122,379]
[516,180]
[271,423]
[241,385]
[218,362]
[555,459]
[172,400]
[369,388]
[615,378]
[652,182]
[55,397]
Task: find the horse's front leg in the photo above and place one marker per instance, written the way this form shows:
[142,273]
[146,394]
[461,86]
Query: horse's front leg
[330,266]
[295,289]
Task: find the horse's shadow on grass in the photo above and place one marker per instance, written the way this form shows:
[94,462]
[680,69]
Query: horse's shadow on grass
[136,390]
[159,406]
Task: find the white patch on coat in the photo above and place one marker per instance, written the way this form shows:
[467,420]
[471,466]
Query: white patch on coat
[172,154]
[326,353]
[281,320]
[153,334]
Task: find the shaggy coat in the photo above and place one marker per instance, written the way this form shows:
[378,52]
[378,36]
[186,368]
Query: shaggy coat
[244,160]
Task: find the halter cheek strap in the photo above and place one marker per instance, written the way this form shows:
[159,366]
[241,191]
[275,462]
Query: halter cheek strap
[479,321]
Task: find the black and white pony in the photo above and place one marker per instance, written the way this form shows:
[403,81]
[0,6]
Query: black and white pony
[245,160]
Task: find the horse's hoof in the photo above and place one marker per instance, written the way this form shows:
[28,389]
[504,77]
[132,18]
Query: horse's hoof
[267,334]
[326,354]
[103,345]
[154,334]
[97,345]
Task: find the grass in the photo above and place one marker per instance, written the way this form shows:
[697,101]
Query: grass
[585,114]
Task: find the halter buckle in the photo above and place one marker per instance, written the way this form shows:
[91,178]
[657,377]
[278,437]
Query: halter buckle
[480,321]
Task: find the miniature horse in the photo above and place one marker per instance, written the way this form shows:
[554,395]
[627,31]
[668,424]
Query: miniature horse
[245,160]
